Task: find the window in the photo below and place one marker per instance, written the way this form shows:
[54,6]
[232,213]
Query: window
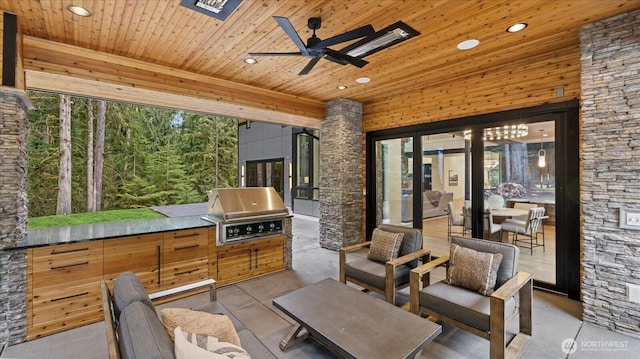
[266,173]
[307,150]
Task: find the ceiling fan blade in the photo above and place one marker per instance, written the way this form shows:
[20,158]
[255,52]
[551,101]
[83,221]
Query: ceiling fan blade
[333,59]
[347,36]
[285,24]
[275,54]
[311,64]
[355,61]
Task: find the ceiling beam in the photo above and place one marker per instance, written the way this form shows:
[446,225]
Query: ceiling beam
[52,66]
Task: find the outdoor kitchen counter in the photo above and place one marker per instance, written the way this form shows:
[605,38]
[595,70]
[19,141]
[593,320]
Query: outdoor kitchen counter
[99,231]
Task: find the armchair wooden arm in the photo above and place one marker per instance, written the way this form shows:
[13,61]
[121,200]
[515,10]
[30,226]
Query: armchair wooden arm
[390,269]
[422,274]
[521,283]
[355,247]
[343,257]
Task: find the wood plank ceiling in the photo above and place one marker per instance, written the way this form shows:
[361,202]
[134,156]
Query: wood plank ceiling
[162,32]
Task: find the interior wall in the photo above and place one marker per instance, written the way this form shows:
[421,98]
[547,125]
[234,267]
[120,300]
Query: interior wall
[610,53]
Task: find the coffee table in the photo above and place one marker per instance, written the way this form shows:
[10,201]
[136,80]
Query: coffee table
[353,324]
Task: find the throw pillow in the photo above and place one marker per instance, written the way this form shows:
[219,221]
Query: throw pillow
[197,346]
[215,325]
[385,246]
[473,270]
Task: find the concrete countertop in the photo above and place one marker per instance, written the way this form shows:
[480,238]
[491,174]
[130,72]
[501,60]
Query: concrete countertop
[98,231]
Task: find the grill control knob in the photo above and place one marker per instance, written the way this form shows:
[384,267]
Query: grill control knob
[249,229]
[236,230]
[261,227]
[272,226]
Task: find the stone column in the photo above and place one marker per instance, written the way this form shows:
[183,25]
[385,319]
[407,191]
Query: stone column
[341,174]
[610,81]
[13,214]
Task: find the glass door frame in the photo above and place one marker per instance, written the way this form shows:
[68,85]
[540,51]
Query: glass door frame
[566,117]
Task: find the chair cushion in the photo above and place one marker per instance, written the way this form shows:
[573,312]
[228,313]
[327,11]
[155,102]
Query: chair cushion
[385,246]
[411,242]
[215,325]
[461,304]
[472,269]
[514,225]
[126,290]
[510,255]
[141,334]
[373,273]
[191,346]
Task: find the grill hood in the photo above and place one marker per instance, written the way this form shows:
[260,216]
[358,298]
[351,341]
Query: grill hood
[229,204]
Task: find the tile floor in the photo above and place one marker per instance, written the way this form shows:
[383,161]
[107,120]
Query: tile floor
[556,318]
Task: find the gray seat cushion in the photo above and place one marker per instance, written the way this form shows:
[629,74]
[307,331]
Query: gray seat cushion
[254,346]
[126,290]
[141,334]
[373,273]
[463,305]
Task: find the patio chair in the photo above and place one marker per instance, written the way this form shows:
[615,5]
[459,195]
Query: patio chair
[527,229]
[474,306]
[388,276]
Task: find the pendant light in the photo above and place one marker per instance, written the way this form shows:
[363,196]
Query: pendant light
[541,153]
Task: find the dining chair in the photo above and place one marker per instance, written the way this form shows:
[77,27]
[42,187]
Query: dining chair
[466,213]
[455,219]
[525,206]
[527,229]
[490,227]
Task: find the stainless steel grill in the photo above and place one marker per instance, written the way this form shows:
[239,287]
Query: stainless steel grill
[246,213]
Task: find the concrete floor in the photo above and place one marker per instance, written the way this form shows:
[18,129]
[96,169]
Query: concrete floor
[556,318]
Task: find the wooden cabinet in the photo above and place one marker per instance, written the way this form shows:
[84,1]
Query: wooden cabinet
[185,257]
[63,289]
[63,281]
[141,255]
[241,261]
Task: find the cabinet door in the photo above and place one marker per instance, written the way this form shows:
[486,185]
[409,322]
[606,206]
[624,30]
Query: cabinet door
[63,287]
[141,255]
[237,262]
[268,256]
[185,257]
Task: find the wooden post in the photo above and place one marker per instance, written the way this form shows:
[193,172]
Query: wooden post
[11,64]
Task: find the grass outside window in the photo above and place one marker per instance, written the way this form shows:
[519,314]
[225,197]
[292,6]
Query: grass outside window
[120,215]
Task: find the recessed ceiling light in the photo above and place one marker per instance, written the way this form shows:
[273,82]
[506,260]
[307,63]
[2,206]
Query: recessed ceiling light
[363,80]
[79,10]
[517,27]
[468,44]
[342,87]
[250,61]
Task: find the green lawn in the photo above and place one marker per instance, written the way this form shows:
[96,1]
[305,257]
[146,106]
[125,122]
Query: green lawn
[119,215]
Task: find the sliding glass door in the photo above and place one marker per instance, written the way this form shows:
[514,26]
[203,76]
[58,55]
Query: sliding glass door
[520,174]
[490,170]
[394,174]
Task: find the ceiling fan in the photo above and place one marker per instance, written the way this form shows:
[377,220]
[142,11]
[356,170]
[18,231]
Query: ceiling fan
[315,49]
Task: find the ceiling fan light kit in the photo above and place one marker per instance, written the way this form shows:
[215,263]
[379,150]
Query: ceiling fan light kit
[316,48]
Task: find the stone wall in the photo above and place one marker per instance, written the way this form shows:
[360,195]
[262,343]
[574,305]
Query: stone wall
[341,174]
[13,215]
[610,67]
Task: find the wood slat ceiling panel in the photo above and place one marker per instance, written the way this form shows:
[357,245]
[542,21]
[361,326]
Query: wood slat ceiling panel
[164,33]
